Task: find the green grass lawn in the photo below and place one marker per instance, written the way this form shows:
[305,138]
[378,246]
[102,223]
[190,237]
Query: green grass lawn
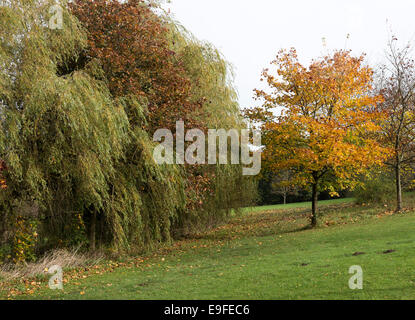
[298,205]
[266,254]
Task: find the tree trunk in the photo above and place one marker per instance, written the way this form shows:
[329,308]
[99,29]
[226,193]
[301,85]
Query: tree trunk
[92,232]
[314,206]
[285,198]
[398,186]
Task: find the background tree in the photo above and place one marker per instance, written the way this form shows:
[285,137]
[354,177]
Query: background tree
[324,132]
[396,82]
[137,53]
[283,184]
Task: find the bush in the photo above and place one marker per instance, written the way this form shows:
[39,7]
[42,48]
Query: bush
[378,188]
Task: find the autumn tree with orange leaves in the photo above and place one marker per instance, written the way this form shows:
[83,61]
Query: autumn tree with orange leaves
[325,131]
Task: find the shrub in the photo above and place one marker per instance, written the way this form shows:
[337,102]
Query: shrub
[378,188]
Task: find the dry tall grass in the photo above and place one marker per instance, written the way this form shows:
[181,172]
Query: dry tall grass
[60,257]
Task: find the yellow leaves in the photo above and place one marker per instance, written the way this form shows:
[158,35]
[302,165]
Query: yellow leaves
[334,194]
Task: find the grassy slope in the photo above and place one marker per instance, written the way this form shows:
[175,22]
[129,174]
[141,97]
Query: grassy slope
[265,255]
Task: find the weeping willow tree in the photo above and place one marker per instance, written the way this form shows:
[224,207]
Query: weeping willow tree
[66,141]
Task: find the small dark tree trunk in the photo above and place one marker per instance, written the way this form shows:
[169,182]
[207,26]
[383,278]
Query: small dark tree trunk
[314,205]
[92,232]
[398,186]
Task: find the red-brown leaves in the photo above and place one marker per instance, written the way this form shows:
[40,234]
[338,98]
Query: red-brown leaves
[133,45]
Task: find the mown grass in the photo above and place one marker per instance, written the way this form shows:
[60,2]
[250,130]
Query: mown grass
[298,205]
[263,254]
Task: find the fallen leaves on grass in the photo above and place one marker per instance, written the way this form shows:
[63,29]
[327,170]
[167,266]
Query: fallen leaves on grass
[275,223]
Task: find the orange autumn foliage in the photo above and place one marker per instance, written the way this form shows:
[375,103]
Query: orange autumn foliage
[325,131]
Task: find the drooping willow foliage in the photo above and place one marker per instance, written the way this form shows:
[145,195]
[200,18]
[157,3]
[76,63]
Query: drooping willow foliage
[228,189]
[78,158]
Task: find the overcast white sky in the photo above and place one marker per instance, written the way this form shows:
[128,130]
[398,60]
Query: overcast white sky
[250,32]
